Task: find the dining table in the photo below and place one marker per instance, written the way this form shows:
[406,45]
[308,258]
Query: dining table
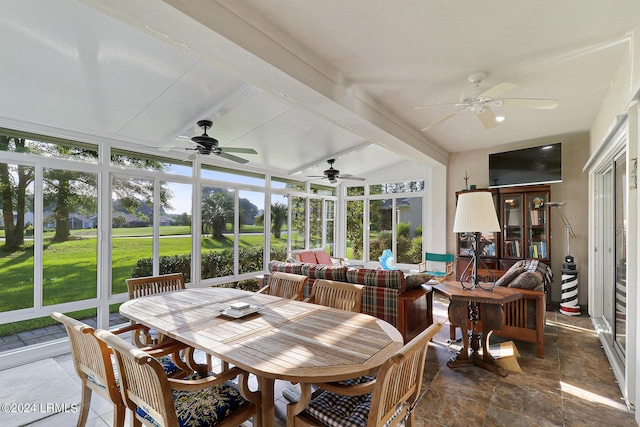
[278,339]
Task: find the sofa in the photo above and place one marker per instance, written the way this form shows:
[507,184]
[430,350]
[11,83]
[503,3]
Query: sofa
[404,302]
[524,318]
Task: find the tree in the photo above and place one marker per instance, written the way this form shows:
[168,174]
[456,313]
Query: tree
[248,212]
[69,191]
[217,210]
[14,183]
[278,218]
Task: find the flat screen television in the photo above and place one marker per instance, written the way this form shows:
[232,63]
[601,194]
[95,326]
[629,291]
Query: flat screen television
[535,165]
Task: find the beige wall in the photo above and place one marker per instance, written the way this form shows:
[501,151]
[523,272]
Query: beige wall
[573,190]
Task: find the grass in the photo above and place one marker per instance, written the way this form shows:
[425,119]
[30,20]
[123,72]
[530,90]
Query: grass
[70,268]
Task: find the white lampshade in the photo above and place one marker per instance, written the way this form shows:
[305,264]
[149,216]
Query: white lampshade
[475,212]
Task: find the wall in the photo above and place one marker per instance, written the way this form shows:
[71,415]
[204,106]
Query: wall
[573,190]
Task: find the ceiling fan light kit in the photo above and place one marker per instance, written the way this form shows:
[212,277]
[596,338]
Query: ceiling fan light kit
[479,99]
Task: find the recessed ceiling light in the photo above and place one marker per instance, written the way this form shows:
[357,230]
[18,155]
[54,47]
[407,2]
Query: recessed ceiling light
[499,119]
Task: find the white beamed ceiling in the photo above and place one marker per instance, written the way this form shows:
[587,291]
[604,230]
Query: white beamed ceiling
[302,81]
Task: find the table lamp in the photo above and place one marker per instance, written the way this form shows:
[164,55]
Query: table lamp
[475,213]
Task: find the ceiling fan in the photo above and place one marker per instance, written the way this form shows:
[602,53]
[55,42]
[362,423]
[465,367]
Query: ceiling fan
[203,145]
[334,174]
[478,99]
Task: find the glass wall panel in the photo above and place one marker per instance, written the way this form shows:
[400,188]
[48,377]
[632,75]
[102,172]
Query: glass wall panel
[329,237]
[279,229]
[218,208]
[175,228]
[298,222]
[409,230]
[380,227]
[131,230]
[289,184]
[251,237]
[231,175]
[315,223]
[355,229]
[70,256]
[323,190]
[17,232]
[130,160]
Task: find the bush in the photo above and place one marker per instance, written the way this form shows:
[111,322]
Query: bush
[214,263]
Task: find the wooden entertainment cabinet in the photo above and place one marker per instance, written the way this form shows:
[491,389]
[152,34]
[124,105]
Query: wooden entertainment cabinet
[525,229]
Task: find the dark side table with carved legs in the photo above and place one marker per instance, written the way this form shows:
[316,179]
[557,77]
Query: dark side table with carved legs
[478,312]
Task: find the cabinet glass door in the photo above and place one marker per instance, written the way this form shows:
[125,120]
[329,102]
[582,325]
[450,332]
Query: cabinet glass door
[512,215]
[537,226]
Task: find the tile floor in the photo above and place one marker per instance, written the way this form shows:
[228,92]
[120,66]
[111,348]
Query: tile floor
[572,386]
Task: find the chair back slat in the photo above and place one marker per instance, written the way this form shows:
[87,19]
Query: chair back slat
[150,285]
[344,296]
[92,361]
[142,380]
[286,285]
[399,380]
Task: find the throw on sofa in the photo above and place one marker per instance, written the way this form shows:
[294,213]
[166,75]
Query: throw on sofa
[388,295]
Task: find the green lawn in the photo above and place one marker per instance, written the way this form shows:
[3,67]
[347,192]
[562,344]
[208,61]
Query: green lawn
[70,268]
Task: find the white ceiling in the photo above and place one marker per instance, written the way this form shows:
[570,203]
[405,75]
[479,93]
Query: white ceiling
[302,81]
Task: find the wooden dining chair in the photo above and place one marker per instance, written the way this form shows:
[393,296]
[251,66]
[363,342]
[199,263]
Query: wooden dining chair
[386,400]
[155,399]
[285,285]
[93,363]
[152,285]
[341,295]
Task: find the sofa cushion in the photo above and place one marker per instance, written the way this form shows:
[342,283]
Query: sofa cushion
[412,281]
[307,256]
[392,279]
[321,271]
[511,274]
[285,267]
[527,280]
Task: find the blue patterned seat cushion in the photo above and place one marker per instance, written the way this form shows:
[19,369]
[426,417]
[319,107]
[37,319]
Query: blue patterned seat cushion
[203,408]
[169,367]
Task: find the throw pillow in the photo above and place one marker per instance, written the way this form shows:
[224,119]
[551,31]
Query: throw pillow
[511,274]
[416,280]
[527,280]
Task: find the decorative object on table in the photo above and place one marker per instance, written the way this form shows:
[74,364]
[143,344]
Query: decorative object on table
[466,181]
[387,261]
[569,302]
[475,213]
[239,309]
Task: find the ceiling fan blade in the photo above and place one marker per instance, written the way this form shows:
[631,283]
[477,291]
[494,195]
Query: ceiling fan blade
[540,104]
[447,117]
[497,90]
[351,177]
[422,107]
[488,119]
[179,142]
[238,150]
[233,158]
[192,156]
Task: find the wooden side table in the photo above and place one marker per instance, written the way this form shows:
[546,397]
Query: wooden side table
[466,307]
